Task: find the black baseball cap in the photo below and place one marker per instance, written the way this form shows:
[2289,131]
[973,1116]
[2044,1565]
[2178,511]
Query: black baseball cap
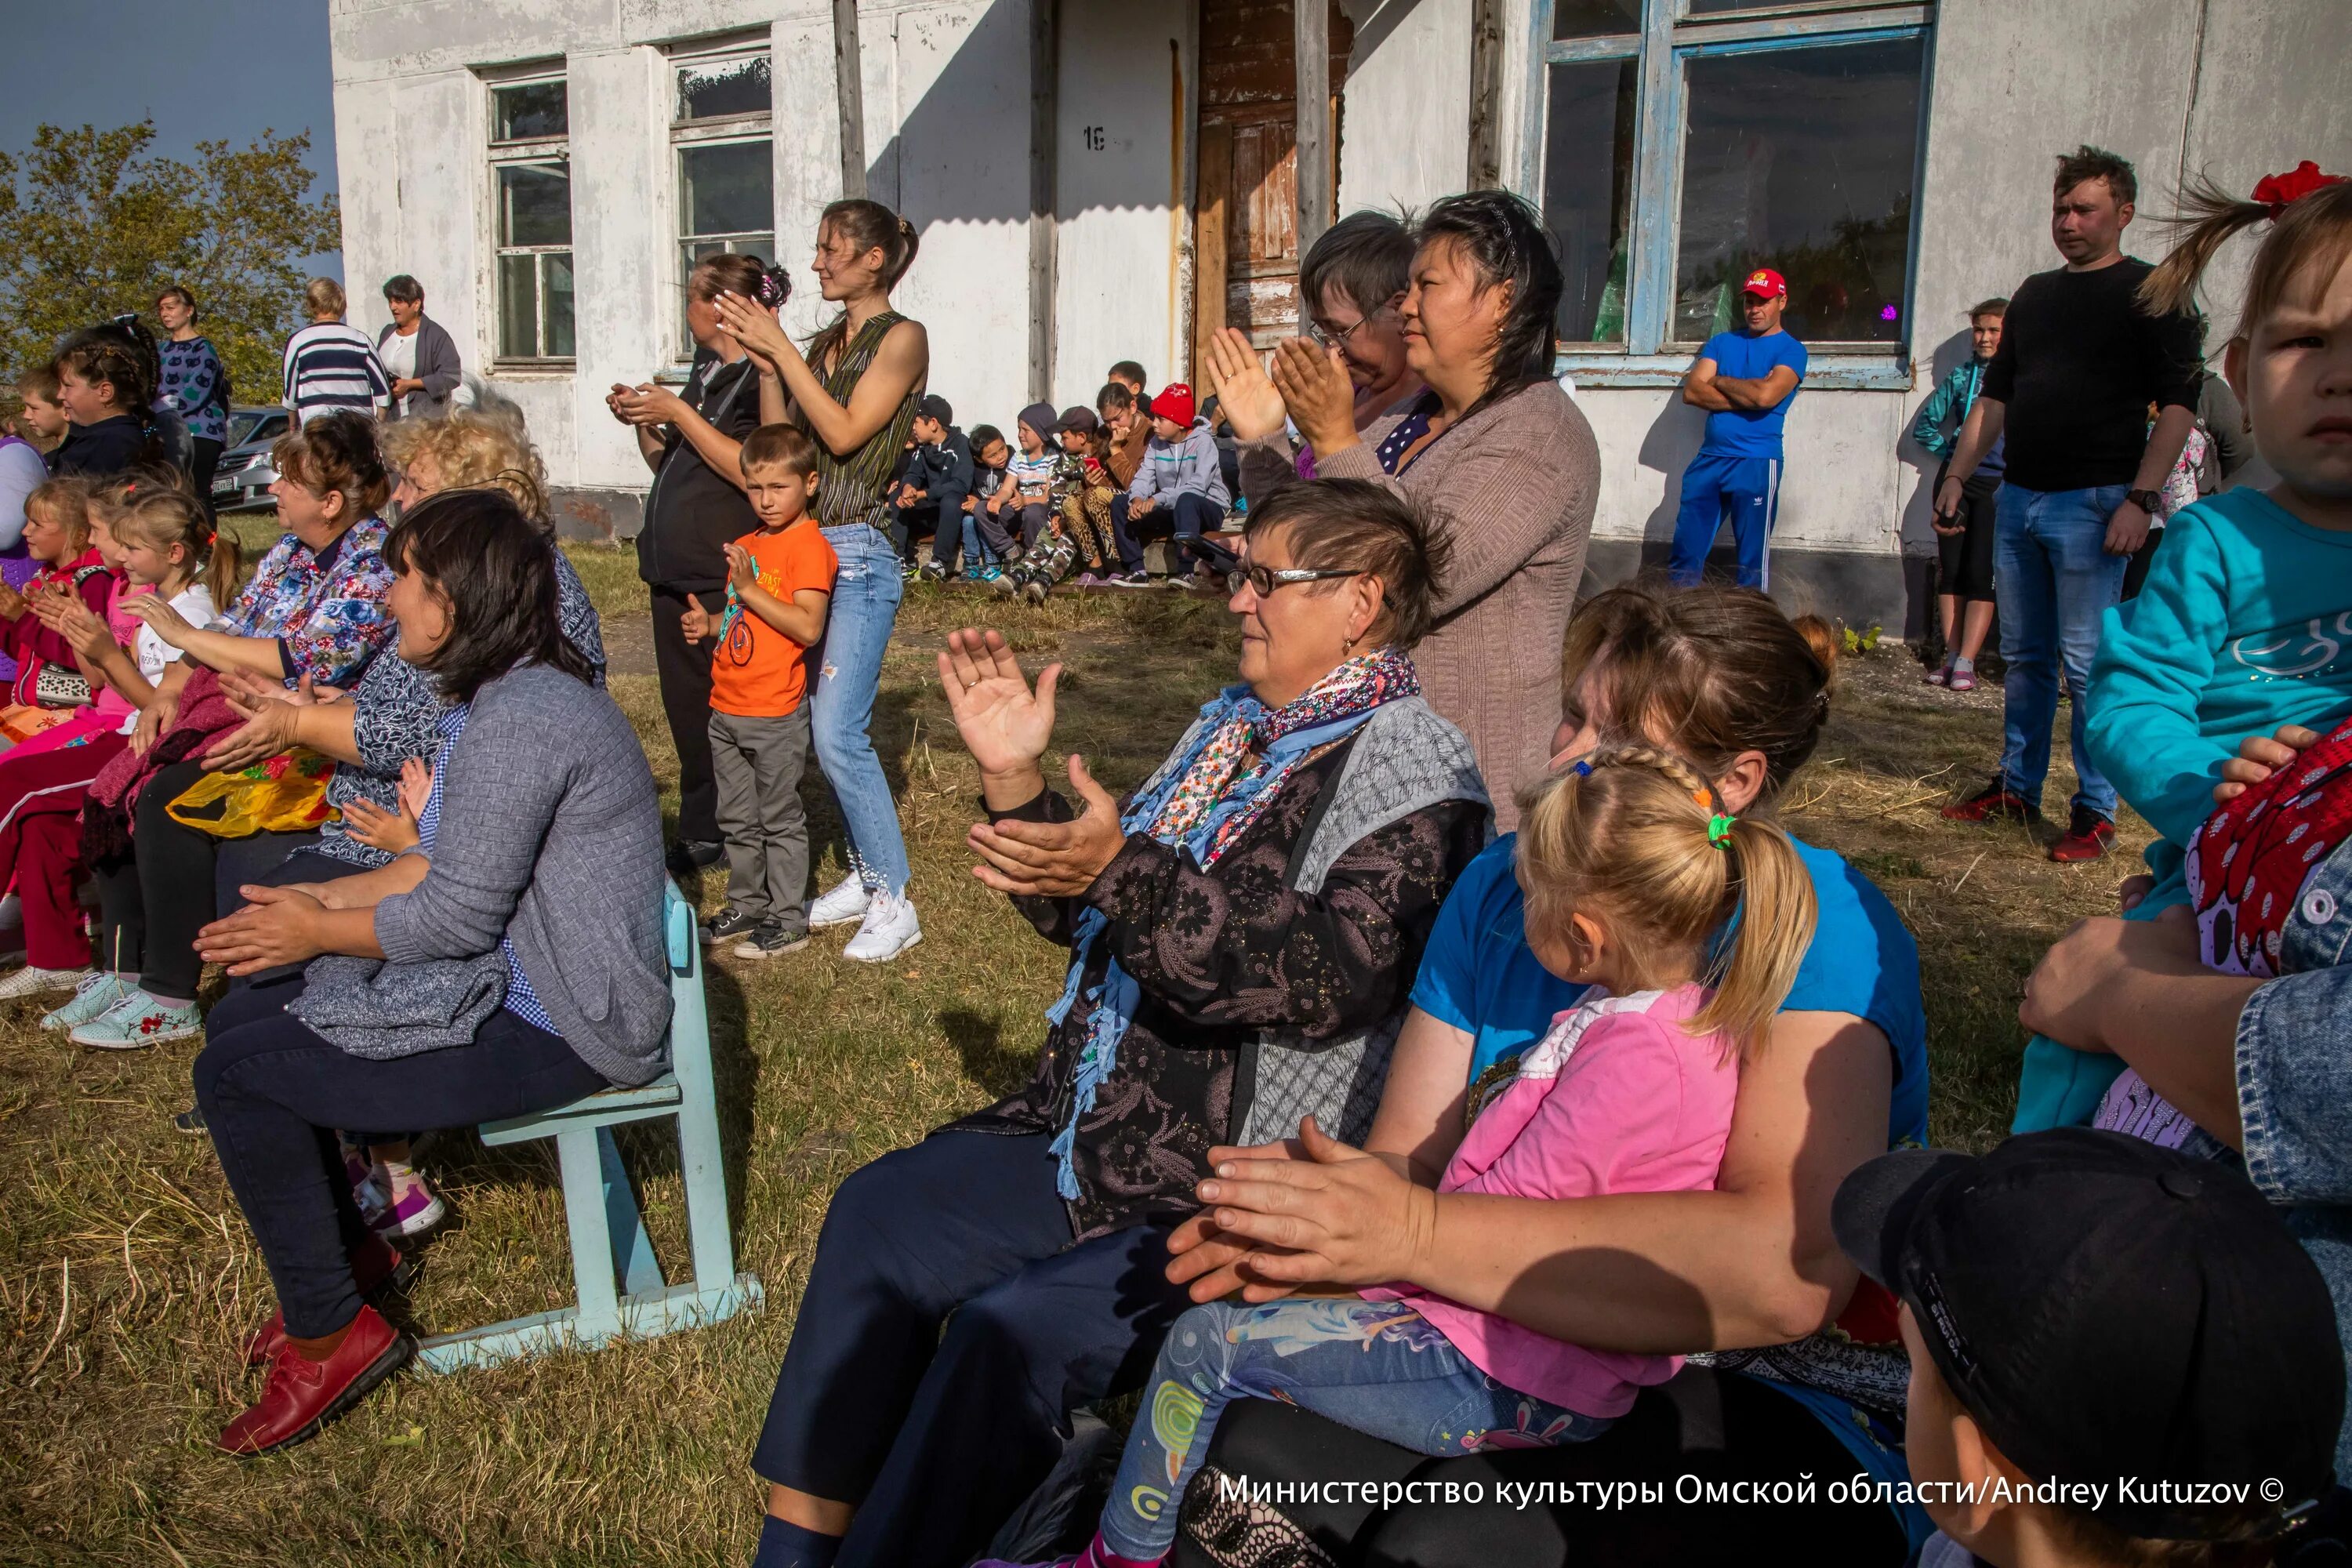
[1082,420]
[2110,1310]
[934,406]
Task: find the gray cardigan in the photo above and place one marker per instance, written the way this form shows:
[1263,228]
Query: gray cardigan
[437,367]
[550,837]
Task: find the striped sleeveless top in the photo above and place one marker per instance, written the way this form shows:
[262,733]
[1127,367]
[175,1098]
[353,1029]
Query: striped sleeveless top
[851,489]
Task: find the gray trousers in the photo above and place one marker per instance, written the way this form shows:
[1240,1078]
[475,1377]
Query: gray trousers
[757,764]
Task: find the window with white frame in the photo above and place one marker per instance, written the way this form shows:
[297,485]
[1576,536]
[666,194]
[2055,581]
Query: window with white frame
[721,102]
[1677,145]
[530,197]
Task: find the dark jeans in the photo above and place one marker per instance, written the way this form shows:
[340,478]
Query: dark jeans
[919,521]
[1719,1428]
[272,1092]
[684,670]
[178,881]
[938,1436]
[1191,518]
[2142,559]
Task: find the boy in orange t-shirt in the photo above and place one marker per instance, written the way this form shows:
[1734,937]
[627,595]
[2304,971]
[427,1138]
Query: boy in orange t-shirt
[779,583]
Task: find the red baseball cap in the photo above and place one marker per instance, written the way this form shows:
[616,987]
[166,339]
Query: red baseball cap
[1766,283]
[1175,403]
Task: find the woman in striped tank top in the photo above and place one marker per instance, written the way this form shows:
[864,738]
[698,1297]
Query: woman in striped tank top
[855,391]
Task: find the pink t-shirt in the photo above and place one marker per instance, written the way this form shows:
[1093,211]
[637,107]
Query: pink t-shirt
[1618,1097]
[124,629]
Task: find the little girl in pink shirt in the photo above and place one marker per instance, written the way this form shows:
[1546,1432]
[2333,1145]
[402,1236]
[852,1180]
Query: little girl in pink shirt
[1687,924]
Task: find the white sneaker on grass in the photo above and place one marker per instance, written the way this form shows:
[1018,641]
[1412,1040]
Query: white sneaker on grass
[33,980]
[138,1021]
[844,904]
[100,994]
[888,930]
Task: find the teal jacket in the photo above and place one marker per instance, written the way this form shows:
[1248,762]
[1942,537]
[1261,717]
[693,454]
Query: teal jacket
[1950,402]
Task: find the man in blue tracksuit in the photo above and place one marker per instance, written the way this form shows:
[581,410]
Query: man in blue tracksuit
[1744,380]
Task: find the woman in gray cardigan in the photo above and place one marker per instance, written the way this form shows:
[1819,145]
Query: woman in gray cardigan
[512,962]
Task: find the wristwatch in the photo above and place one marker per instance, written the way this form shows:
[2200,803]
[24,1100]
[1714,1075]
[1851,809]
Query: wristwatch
[2147,500]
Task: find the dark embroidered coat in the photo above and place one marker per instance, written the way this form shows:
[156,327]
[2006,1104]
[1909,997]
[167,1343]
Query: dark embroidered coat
[1218,955]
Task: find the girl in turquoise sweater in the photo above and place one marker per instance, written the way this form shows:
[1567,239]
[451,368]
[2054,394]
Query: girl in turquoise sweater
[2245,623]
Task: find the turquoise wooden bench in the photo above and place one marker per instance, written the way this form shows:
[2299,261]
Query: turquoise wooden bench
[621,1289]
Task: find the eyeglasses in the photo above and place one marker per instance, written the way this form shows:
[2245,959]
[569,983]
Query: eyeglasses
[1336,337]
[1264,580]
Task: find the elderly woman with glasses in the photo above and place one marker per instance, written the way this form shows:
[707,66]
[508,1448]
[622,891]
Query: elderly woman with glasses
[1351,288]
[1243,929]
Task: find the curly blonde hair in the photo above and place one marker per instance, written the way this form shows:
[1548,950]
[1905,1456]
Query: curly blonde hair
[485,447]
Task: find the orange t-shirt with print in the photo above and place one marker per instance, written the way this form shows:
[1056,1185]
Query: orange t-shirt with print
[758,672]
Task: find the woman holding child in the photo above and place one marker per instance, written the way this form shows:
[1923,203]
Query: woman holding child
[511,962]
[855,391]
[1494,452]
[1722,680]
[1242,929]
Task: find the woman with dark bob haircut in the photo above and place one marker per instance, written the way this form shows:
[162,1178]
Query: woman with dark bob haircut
[1243,932]
[511,962]
[1494,453]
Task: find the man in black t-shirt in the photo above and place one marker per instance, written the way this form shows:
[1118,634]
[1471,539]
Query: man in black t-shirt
[2079,363]
[691,512]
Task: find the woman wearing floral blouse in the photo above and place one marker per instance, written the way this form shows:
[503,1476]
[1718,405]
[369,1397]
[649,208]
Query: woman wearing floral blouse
[1243,929]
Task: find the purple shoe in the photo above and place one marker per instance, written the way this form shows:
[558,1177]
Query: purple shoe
[407,1207]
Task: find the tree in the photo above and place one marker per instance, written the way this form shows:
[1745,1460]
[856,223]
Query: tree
[92,226]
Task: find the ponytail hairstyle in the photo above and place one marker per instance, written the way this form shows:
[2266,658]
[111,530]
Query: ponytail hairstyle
[869,225]
[1636,839]
[731,273]
[1712,671]
[2310,215]
[336,452]
[163,518]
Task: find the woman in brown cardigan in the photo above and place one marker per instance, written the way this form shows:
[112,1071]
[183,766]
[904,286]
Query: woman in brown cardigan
[1496,456]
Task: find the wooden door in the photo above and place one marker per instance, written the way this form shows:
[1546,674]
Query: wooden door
[1245,211]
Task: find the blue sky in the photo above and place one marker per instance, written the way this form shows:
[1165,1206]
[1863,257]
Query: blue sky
[201,68]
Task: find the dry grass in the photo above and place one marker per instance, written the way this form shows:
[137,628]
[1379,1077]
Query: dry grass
[127,1277]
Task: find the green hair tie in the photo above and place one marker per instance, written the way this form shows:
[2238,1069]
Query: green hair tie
[1718,831]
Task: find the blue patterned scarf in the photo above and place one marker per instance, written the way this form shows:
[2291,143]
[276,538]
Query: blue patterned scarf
[1200,803]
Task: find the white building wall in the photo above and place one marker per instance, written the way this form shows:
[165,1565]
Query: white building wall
[1404,130]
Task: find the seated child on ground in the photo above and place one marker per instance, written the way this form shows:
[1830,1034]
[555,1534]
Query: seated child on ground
[991,505]
[2119,1356]
[778,585]
[1181,481]
[1085,490]
[2238,628]
[1630,870]
[1032,472]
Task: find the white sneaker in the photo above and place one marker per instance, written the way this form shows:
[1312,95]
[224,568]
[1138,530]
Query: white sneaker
[889,929]
[845,904]
[31,981]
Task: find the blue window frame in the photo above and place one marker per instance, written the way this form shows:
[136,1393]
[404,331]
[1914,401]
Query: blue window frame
[1675,145]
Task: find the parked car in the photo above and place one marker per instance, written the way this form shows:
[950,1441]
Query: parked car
[245,473]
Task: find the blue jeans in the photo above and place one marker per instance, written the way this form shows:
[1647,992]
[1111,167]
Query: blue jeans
[2055,581]
[961,542]
[1715,484]
[1379,1367]
[866,594]
[949,1327]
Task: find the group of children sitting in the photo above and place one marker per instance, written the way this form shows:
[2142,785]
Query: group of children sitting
[1071,497]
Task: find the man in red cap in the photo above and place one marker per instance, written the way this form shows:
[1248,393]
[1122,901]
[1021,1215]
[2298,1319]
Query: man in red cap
[1744,380]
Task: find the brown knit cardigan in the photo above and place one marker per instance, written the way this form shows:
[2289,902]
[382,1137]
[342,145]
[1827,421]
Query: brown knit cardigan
[1513,488]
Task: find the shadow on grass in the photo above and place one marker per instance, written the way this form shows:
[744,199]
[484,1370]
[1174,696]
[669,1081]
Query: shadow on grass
[988,1061]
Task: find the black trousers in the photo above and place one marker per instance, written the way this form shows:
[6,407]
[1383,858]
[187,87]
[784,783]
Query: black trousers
[201,466]
[2135,573]
[1965,559]
[179,881]
[938,1436]
[1717,1427]
[273,1091]
[911,524]
[684,670]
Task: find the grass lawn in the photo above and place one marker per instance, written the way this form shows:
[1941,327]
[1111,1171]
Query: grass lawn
[127,1277]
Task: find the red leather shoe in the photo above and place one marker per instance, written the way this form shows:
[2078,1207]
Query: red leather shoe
[2088,837]
[375,1266]
[303,1396]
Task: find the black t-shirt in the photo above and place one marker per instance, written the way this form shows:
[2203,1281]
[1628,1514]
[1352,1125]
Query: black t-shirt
[691,511]
[99,451]
[2078,366]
